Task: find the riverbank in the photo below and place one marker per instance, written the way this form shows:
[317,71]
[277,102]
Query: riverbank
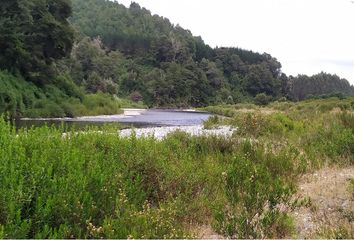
[127,112]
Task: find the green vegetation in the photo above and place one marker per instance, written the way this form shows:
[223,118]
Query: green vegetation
[35,37]
[33,34]
[168,66]
[96,184]
[323,128]
[165,64]
[319,85]
[262,99]
[21,98]
[66,49]
[91,57]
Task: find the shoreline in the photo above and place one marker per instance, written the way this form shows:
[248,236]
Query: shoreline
[128,112]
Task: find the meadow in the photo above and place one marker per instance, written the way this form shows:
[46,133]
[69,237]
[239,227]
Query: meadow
[97,184]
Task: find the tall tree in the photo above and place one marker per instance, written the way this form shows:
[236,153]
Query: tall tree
[302,86]
[33,34]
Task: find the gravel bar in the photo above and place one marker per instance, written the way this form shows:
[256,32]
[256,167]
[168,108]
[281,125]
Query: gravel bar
[161,132]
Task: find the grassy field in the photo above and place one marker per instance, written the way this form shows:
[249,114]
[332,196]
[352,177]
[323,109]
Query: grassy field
[97,184]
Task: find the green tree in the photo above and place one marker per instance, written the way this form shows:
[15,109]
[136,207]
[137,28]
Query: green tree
[33,34]
[262,99]
[260,79]
[302,86]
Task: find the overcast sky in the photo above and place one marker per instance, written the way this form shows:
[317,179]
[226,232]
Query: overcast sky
[306,36]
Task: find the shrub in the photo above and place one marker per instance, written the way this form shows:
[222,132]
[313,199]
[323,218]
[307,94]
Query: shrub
[253,196]
[100,103]
[136,96]
[262,99]
[282,99]
[16,94]
[347,120]
[249,124]
[278,124]
[211,122]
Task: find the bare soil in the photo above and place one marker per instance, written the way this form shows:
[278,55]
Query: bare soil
[331,205]
[206,232]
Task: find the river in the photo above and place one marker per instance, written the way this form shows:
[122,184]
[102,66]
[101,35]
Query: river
[131,117]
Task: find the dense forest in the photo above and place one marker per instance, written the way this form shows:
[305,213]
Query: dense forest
[322,84]
[59,56]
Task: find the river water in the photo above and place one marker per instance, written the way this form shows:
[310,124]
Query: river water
[145,119]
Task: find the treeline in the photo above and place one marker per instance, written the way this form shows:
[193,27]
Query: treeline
[101,47]
[322,84]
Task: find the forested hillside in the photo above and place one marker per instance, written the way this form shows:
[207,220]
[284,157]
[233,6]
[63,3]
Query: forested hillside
[72,51]
[164,64]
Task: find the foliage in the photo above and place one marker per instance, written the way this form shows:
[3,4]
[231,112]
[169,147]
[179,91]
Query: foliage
[16,94]
[321,127]
[347,120]
[167,65]
[20,98]
[125,51]
[319,85]
[96,184]
[253,195]
[211,122]
[33,33]
[262,99]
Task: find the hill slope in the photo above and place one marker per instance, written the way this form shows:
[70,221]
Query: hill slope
[107,48]
[166,64]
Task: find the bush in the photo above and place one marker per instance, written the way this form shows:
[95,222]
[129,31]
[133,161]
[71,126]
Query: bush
[63,98]
[87,185]
[253,196]
[211,122]
[347,120]
[96,184]
[257,124]
[282,99]
[262,99]
[136,96]
[249,124]
[100,104]
[16,94]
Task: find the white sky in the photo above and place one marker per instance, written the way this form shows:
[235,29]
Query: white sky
[306,36]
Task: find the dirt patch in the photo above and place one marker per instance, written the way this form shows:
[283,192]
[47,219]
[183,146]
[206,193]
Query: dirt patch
[206,232]
[264,111]
[331,202]
[330,206]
